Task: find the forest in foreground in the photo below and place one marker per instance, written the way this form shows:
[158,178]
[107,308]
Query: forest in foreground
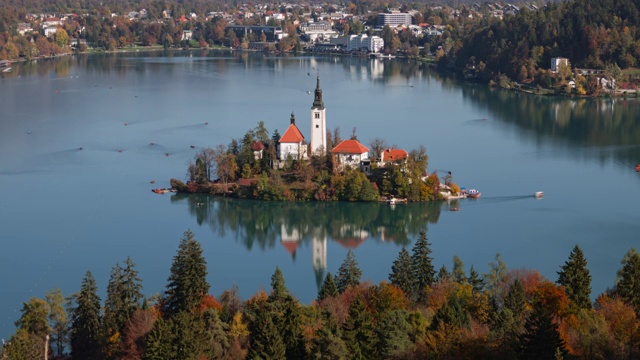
[420,313]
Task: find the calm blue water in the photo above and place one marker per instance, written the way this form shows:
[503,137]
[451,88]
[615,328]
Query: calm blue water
[65,211]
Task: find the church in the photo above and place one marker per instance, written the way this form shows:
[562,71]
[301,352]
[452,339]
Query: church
[293,144]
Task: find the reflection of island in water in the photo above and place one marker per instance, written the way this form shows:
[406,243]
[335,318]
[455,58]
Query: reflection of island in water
[265,224]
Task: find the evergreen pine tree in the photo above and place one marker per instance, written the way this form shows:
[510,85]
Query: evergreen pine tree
[348,274]
[576,279]
[86,321]
[628,284]
[443,274]
[113,316]
[328,343]
[475,280]
[422,267]
[279,290]
[188,279]
[541,339]
[458,272]
[159,342]
[286,315]
[453,313]
[131,290]
[291,329]
[328,288]
[328,346]
[393,334]
[216,335]
[189,335]
[266,342]
[401,272]
[359,331]
[516,299]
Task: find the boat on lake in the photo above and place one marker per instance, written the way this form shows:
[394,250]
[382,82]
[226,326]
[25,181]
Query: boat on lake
[163,191]
[473,193]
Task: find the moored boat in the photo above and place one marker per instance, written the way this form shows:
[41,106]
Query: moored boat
[539,195]
[473,193]
[638,168]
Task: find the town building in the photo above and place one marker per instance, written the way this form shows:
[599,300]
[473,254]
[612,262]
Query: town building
[394,19]
[272,33]
[557,62]
[318,123]
[360,42]
[50,30]
[318,30]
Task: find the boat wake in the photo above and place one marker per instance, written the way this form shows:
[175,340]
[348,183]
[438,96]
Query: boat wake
[499,199]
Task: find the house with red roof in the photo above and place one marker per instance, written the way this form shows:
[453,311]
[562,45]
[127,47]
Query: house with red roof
[351,153]
[292,143]
[396,156]
[258,149]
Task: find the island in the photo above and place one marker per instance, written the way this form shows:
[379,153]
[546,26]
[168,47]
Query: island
[323,168]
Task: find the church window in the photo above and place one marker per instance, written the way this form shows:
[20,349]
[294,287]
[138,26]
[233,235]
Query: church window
[317,115]
[317,126]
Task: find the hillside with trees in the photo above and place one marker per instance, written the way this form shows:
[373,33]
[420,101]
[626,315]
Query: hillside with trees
[420,313]
[594,35]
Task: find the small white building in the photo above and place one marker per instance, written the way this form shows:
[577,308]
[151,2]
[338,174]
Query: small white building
[50,30]
[187,35]
[557,62]
[292,143]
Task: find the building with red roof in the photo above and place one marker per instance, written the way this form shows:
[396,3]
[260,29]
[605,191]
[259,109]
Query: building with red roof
[292,143]
[258,148]
[393,156]
[351,153]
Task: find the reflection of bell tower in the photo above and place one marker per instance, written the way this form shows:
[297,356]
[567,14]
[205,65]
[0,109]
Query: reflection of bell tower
[318,123]
[319,253]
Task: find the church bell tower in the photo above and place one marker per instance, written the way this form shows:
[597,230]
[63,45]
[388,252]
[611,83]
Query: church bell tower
[318,123]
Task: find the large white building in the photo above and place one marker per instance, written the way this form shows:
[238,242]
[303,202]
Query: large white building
[318,123]
[372,44]
[394,19]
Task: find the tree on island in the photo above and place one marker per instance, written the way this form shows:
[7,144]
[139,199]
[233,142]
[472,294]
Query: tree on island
[188,279]
[576,279]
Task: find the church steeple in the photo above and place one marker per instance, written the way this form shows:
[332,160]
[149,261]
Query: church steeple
[318,123]
[293,119]
[317,101]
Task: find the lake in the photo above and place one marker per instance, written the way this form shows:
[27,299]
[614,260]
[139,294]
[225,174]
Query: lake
[82,137]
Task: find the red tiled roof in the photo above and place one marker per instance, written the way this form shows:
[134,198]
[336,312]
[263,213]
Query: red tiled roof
[393,155]
[257,146]
[292,135]
[291,246]
[350,147]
